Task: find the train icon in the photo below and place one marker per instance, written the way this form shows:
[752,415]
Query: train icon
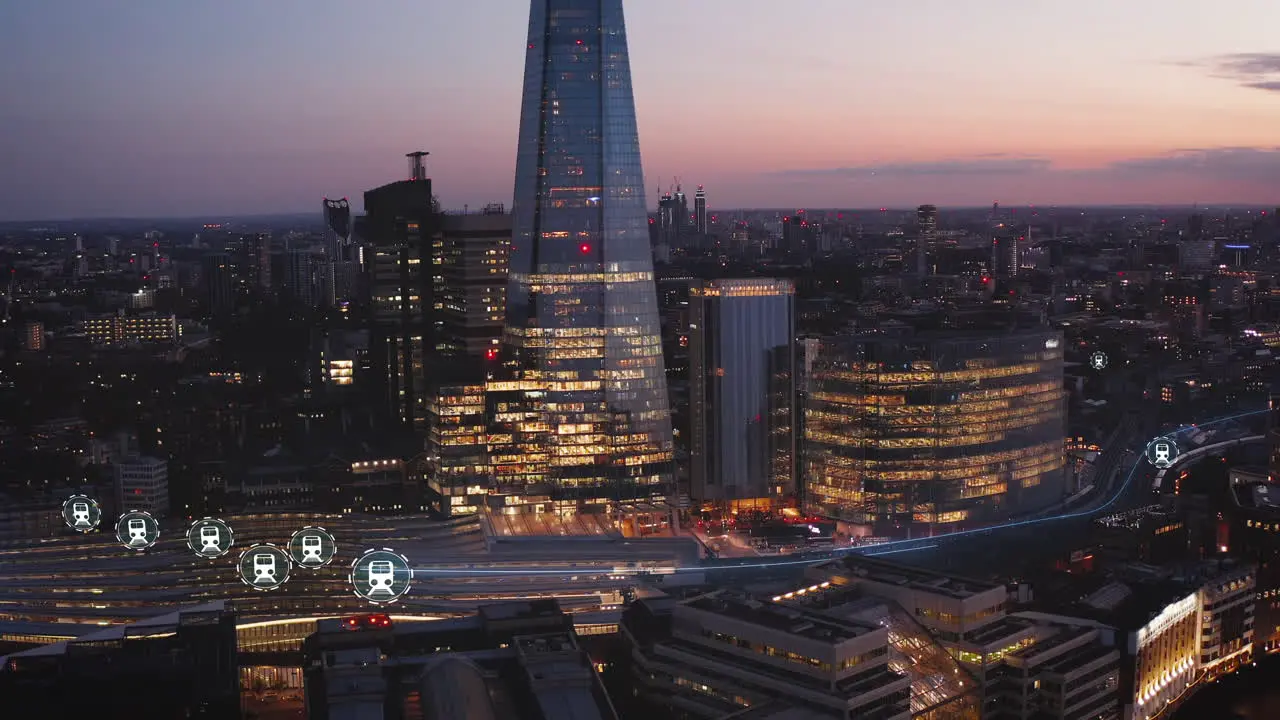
[381,575]
[264,569]
[137,532]
[80,514]
[312,545]
[210,539]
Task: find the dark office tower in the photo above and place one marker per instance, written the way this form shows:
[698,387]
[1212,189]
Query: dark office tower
[301,282]
[700,211]
[927,225]
[682,208]
[339,267]
[400,222]
[217,275]
[926,237]
[669,221]
[1195,226]
[582,310]
[797,235]
[1006,253]
[742,392]
[1273,434]
[470,255]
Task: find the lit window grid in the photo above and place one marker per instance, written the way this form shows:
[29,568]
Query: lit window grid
[873,455]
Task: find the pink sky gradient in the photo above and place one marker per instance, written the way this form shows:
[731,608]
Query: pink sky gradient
[159,108]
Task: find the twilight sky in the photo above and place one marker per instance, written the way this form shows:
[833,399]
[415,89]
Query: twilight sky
[182,107]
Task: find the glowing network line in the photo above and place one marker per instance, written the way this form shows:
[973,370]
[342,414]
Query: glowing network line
[892,547]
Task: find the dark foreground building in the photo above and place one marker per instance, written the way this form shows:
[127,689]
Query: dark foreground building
[511,661]
[181,665]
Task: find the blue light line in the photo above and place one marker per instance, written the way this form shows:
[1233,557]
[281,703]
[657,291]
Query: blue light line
[912,545]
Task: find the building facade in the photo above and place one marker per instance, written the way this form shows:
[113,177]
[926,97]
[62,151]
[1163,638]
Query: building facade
[142,483]
[470,255]
[742,391]
[717,654]
[582,319]
[913,436]
[124,329]
[400,223]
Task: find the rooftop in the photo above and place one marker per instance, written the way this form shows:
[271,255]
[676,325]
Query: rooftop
[795,621]
[890,573]
[159,625]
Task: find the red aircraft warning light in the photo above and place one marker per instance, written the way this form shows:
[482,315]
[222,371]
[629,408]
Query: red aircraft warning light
[584,248]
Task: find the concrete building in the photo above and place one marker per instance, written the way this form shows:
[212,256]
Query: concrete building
[142,483]
[719,653]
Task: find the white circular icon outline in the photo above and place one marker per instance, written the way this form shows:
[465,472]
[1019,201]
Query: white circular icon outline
[387,575]
[1099,360]
[81,519]
[304,549]
[261,569]
[136,530]
[205,538]
[1163,452]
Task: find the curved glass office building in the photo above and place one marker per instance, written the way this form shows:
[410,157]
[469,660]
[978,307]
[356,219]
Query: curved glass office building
[913,436]
[586,419]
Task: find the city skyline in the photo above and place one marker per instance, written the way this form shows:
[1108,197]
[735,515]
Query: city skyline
[161,110]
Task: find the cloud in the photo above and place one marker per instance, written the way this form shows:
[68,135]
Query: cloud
[1235,163]
[983,165]
[1260,71]
[1243,164]
[1233,175]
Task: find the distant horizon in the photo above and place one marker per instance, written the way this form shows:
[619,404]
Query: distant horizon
[318,214]
[153,108]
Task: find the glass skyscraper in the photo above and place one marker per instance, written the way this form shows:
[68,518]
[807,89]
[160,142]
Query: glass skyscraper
[586,417]
[742,392]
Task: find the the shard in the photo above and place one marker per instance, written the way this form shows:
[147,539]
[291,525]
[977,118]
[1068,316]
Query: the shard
[592,423]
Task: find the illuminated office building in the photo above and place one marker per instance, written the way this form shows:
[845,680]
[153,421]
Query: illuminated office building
[928,433]
[400,223]
[457,470]
[589,402]
[132,329]
[470,258]
[742,391]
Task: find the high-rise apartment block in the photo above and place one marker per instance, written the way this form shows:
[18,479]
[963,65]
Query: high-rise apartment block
[742,391]
[121,329]
[583,336]
[33,337]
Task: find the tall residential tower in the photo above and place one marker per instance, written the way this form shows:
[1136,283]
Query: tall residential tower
[588,405]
